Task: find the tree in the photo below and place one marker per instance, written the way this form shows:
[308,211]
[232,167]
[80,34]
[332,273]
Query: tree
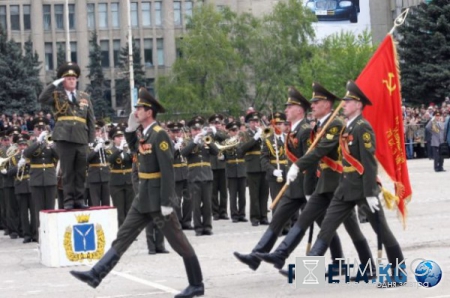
[33,67]
[96,88]
[425,66]
[60,56]
[18,75]
[123,85]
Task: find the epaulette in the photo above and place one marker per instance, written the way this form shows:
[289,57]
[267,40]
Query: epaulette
[306,126]
[157,128]
[361,121]
[82,93]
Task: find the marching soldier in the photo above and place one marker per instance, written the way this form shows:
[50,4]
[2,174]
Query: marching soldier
[20,172]
[120,185]
[155,199]
[219,192]
[358,185]
[43,158]
[98,168]
[184,208]
[326,155]
[297,142]
[236,174]
[198,153]
[258,188]
[4,146]
[74,129]
[12,206]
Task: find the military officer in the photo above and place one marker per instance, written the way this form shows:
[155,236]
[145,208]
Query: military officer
[4,146]
[20,171]
[198,152]
[43,158]
[330,168]
[219,191]
[98,168]
[74,129]
[236,174]
[120,185]
[154,201]
[358,185]
[297,142]
[185,206]
[258,188]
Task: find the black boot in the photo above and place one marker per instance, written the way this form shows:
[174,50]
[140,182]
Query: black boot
[264,245]
[94,276]
[336,253]
[395,257]
[195,278]
[319,248]
[365,256]
[290,242]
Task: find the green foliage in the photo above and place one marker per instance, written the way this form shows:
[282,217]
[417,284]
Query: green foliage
[123,85]
[19,77]
[96,88]
[60,56]
[338,58]
[424,52]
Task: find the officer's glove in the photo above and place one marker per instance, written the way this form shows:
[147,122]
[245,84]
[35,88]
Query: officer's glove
[374,204]
[21,162]
[42,136]
[257,135]
[132,123]
[221,157]
[278,173]
[292,173]
[4,171]
[213,129]
[58,81]
[177,146]
[122,144]
[198,138]
[98,146]
[166,210]
[308,197]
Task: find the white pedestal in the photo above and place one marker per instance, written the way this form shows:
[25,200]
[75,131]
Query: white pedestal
[71,238]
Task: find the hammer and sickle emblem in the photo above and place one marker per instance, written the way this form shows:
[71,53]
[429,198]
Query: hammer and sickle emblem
[389,85]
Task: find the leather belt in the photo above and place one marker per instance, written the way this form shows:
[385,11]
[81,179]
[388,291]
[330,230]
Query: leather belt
[236,161]
[71,118]
[42,166]
[155,175]
[117,171]
[199,164]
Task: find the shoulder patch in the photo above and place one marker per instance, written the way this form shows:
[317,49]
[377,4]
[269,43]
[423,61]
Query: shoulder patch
[329,136]
[157,128]
[366,137]
[163,146]
[334,130]
[308,142]
[368,145]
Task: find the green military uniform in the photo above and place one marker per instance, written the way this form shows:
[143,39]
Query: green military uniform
[258,188]
[156,190]
[185,202]
[326,155]
[21,178]
[200,179]
[98,173]
[297,143]
[357,183]
[219,192]
[120,184]
[237,177]
[74,129]
[43,158]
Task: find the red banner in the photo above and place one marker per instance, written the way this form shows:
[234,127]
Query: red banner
[380,81]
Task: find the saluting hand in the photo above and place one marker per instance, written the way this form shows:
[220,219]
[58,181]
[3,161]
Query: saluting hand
[132,123]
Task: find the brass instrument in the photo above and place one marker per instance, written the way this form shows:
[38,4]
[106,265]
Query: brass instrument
[267,132]
[48,140]
[21,170]
[228,143]
[12,151]
[207,140]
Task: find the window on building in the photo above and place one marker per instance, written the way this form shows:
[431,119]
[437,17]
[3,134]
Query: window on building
[148,52]
[116,52]
[158,13]
[26,17]
[103,15]
[107,92]
[134,15]
[178,52]
[146,14]
[150,86]
[47,18]
[48,56]
[188,8]
[115,18]
[15,17]
[160,49]
[3,16]
[59,16]
[73,52]
[104,45]
[91,16]
[120,101]
[177,13]
[71,16]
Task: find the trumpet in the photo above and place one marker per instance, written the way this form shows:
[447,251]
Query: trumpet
[207,140]
[267,132]
[48,140]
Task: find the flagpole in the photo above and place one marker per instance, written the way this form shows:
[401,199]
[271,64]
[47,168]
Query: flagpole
[399,20]
[130,55]
[68,51]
